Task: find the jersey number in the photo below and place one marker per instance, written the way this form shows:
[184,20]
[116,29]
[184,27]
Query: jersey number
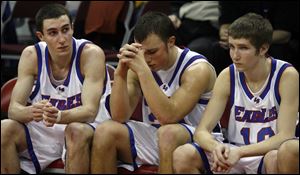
[261,135]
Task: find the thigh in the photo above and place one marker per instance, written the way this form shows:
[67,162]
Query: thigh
[116,134]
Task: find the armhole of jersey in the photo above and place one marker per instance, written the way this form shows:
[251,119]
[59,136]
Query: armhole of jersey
[106,78]
[179,63]
[40,61]
[78,56]
[279,74]
[191,61]
[232,85]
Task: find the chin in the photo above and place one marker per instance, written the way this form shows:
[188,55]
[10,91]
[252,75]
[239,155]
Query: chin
[240,69]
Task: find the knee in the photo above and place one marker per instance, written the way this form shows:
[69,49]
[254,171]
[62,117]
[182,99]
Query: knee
[107,132]
[270,161]
[167,135]
[183,158]
[288,150]
[9,131]
[78,133]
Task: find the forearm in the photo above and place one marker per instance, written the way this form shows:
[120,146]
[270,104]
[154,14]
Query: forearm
[119,100]
[161,106]
[205,140]
[20,113]
[263,147]
[82,114]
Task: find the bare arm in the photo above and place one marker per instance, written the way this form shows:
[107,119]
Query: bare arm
[125,93]
[213,112]
[92,65]
[195,81]
[27,70]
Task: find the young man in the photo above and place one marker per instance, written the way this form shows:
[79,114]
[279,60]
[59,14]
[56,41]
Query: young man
[174,85]
[57,96]
[263,94]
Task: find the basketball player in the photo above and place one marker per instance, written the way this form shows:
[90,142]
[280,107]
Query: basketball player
[263,93]
[174,85]
[57,95]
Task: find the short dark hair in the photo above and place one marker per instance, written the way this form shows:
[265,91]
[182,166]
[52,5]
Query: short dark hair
[254,27]
[50,11]
[154,22]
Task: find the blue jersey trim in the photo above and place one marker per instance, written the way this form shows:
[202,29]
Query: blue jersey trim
[181,58]
[32,155]
[37,83]
[232,84]
[279,74]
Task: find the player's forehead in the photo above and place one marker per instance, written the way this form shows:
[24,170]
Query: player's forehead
[152,42]
[56,23]
[239,41]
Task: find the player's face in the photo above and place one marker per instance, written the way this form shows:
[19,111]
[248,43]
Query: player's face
[57,33]
[243,54]
[156,53]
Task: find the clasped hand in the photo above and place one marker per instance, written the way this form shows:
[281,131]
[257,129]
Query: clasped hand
[224,158]
[43,110]
[132,56]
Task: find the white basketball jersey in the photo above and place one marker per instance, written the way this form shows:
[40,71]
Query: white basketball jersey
[253,116]
[169,82]
[67,95]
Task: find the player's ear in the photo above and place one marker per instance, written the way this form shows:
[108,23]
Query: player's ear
[264,49]
[171,41]
[39,35]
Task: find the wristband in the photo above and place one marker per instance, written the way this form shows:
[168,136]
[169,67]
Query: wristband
[58,117]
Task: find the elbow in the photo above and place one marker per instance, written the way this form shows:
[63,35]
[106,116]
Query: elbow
[169,118]
[118,116]
[9,114]
[92,114]
[118,119]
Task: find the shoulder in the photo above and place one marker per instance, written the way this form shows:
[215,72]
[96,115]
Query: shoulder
[224,76]
[92,59]
[200,69]
[290,73]
[29,55]
[92,49]
[29,51]
[28,61]
[92,55]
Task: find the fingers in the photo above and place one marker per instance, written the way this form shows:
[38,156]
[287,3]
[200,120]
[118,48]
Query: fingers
[49,114]
[134,47]
[37,114]
[37,109]
[219,161]
[129,51]
[226,152]
[48,121]
[220,155]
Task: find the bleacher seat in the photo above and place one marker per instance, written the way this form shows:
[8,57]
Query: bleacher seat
[6,91]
